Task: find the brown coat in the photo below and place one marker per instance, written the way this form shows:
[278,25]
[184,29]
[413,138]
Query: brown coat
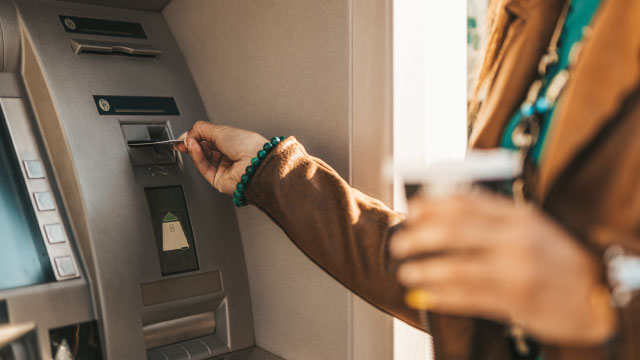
[588,179]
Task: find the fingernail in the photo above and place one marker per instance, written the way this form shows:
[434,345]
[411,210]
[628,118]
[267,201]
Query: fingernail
[420,299]
[189,143]
[183,135]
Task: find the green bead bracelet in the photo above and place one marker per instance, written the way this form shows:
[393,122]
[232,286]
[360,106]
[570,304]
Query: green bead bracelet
[238,195]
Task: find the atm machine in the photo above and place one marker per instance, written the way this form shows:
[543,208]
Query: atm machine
[109,251]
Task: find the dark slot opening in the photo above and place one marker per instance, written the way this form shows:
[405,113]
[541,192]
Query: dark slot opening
[82,340]
[116,54]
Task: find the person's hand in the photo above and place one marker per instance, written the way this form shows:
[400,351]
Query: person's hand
[479,255]
[221,153]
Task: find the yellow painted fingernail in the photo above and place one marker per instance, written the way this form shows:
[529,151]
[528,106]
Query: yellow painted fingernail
[419,299]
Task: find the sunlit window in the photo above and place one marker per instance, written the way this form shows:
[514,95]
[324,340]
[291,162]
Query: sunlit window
[436,45]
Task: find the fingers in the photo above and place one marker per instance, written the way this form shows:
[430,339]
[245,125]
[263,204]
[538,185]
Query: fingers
[234,143]
[182,146]
[204,164]
[461,223]
[464,302]
[442,272]
[473,203]
[434,237]
[206,131]
[455,284]
[221,153]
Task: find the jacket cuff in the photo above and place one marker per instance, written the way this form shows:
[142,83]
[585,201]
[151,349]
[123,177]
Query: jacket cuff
[272,170]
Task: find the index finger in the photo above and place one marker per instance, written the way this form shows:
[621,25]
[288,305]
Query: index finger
[206,131]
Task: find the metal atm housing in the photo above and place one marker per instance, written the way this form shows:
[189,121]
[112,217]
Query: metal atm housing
[87,80]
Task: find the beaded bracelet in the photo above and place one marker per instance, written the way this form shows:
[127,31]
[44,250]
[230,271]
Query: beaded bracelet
[238,195]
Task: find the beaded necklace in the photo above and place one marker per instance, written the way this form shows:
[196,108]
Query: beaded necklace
[541,98]
[526,134]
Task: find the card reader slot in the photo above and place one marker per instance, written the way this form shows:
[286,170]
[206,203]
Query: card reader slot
[148,155]
[85,46]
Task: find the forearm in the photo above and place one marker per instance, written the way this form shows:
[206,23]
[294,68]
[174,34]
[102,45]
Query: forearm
[343,231]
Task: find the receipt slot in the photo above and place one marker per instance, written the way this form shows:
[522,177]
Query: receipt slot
[172,230]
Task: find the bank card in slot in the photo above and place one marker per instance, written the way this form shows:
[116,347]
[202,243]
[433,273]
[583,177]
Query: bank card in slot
[153,143]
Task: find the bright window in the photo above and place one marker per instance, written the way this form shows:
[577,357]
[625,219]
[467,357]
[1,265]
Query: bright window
[430,100]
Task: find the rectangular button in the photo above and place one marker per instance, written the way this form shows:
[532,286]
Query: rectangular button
[34,169]
[55,233]
[44,201]
[65,266]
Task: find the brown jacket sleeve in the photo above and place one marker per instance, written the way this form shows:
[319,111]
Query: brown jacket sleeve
[344,231]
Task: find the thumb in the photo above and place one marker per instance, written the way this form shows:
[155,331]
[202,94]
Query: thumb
[235,144]
[206,131]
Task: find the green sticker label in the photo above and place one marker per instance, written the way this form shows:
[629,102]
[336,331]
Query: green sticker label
[169,217]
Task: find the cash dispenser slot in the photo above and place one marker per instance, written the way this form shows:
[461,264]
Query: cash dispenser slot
[93,26]
[84,46]
[185,315]
[177,330]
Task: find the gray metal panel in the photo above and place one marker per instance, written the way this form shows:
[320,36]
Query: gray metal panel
[150,5]
[10,47]
[10,85]
[105,194]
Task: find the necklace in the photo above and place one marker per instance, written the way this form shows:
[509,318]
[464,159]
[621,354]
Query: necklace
[525,136]
[542,96]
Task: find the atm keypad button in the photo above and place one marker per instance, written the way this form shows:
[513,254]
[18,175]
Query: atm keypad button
[65,266]
[44,201]
[34,169]
[55,233]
